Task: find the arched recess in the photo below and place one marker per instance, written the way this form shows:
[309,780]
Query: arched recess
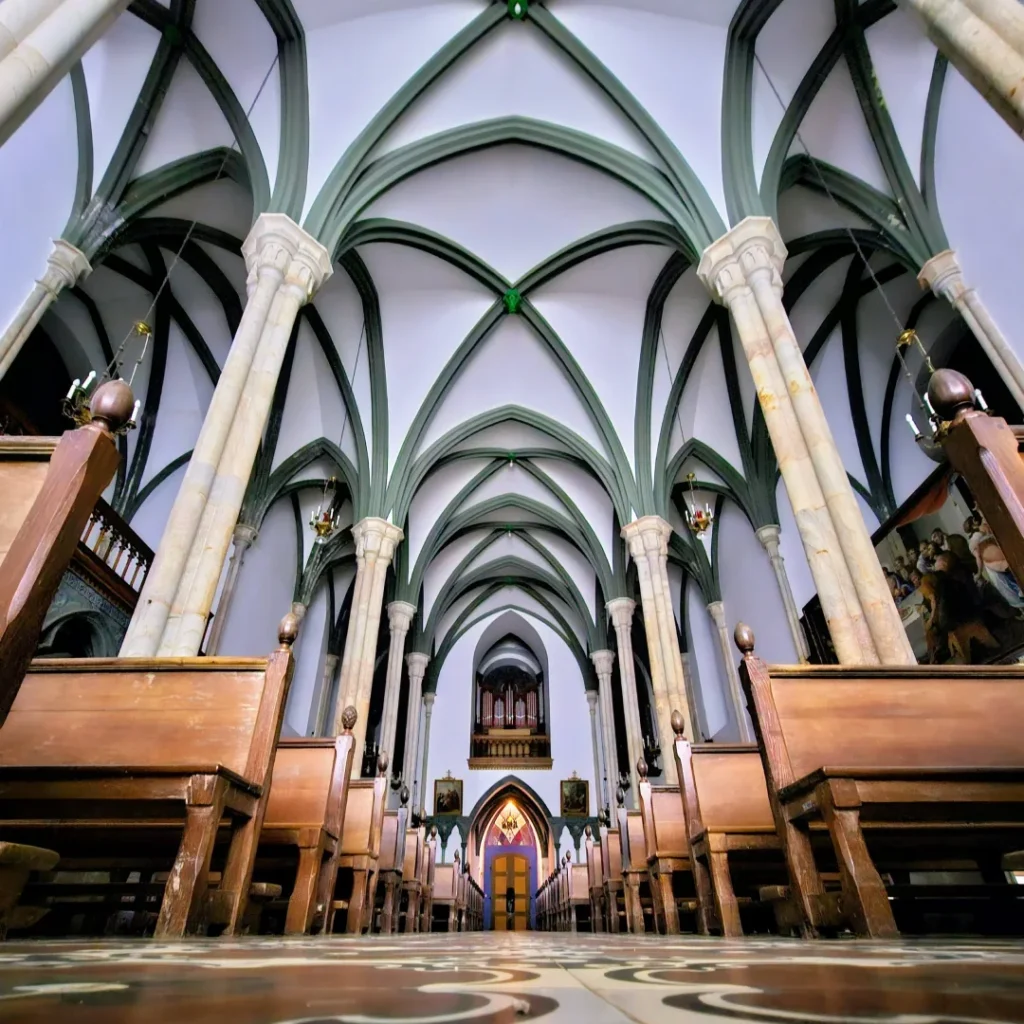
[527,799]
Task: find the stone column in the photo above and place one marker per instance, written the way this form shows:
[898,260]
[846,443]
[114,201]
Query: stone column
[428,710]
[242,539]
[942,274]
[18,18]
[65,267]
[308,268]
[603,662]
[724,276]
[984,41]
[716,609]
[375,546]
[769,538]
[400,615]
[45,53]
[621,610]
[320,721]
[647,538]
[592,699]
[269,250]
[417,666]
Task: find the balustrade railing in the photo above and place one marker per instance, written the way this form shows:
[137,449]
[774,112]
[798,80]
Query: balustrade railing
[110,541]
[513,748]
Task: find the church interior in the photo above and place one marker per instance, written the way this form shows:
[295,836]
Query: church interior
[511,509]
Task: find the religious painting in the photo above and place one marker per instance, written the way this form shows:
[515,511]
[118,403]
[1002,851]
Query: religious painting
[958,600]
[448,795]
[575,797]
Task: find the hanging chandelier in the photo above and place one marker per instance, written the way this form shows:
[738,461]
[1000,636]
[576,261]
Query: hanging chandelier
[324,521]
[699,520]
[76,401]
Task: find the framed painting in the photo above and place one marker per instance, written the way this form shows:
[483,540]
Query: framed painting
[448,796]
[575,801]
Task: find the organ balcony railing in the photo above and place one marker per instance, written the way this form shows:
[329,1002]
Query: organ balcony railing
[510,748]
[113,557]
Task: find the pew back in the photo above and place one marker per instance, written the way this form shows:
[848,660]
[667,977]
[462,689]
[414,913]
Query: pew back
[388,842]
[310,783]
[24,462]
[731,793]
[956,717]
[444,882]
[357,834]
[664,824]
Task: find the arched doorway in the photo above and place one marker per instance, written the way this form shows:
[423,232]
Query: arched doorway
[510,886]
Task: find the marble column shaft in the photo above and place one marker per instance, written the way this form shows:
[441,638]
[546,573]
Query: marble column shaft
[268,250]
[647,538]
[763,255]
[416,663]
[242,539]
[984,41]
[400,615]
[621,610]
[65,267]
[19,17]
[320,722]
[942,274]
[375,547]
[592,699]
[603,662]
[716,609]
[725,278]
[45,52]
[769,538]
[421,778]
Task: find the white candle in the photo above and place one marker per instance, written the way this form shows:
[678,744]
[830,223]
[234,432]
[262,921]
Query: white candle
[928,402]
[75,384]
[88,380]
[979,398]
[913,425]
[135,413]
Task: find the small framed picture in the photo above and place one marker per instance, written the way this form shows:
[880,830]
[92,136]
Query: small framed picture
[575,797]
[448,796]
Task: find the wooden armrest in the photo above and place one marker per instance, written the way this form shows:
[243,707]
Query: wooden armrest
[29,773]
[924,773]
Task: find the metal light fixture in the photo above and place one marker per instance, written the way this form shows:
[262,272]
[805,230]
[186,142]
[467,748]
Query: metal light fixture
[324,521]
[699,520]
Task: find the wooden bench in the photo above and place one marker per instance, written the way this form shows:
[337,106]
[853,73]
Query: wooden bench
[446,895]
[595,880]
[360,850]
[102,756]
[390,865]
[413,876]
[430,869]
[636,881]
[928,762]
[306,811]
[611,873]
[728,816]
[668,852]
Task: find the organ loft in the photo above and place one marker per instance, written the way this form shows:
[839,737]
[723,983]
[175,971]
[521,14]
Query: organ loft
[511,509]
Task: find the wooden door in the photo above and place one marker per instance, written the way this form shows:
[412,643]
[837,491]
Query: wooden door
[511,871]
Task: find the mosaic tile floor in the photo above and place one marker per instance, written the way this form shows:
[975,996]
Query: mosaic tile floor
[496,978]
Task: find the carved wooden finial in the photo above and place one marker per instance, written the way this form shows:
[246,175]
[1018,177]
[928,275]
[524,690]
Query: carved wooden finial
[349,717]
[568,856]
[620,796]
[433,831]
[602,817]
[950,392]
[457,858]
[403,795]
[641,768]
[288,631]
[112,405]
[382,763]
[678,724]
[744,637]
[588,832]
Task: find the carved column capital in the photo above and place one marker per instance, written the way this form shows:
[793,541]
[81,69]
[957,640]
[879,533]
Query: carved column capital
[277,245]
[400,615]
[769,537]
[621,610]
[716,609]
[377,536]
[943,275]
[244,536]
[753,246]
[592,701]
[428,703]
[646,536]
[603,661]
[65,267]
[417,665]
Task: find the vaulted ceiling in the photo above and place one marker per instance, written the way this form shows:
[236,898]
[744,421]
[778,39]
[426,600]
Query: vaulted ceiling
[514,356]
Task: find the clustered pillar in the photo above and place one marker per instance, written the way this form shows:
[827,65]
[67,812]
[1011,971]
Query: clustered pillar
[769,538]
[286,267]
[599,774]
[416,663]
[428,710]
[400,615]
[716,609]
[743,271]
[603,662]
[621,610]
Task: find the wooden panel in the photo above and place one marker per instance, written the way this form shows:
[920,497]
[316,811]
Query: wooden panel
[669,823]
[355,836]
[444,882]
[389,836]
[731,789]
[637,845]
[302,783]
[614,867]
[580,886]
[140,719]
[20,481]
[409,864]
[857,721]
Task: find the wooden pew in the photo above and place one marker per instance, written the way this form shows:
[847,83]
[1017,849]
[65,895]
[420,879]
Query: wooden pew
[611,872]
[668,852]
[430,869]
[595,881]
[413,871]
[445,895]
[636,882]
[306,811]
[389,870]
[360,851]
[99,756]
[724,798]
[924,761]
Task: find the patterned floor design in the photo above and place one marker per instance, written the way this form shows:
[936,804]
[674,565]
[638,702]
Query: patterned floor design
[498,979]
